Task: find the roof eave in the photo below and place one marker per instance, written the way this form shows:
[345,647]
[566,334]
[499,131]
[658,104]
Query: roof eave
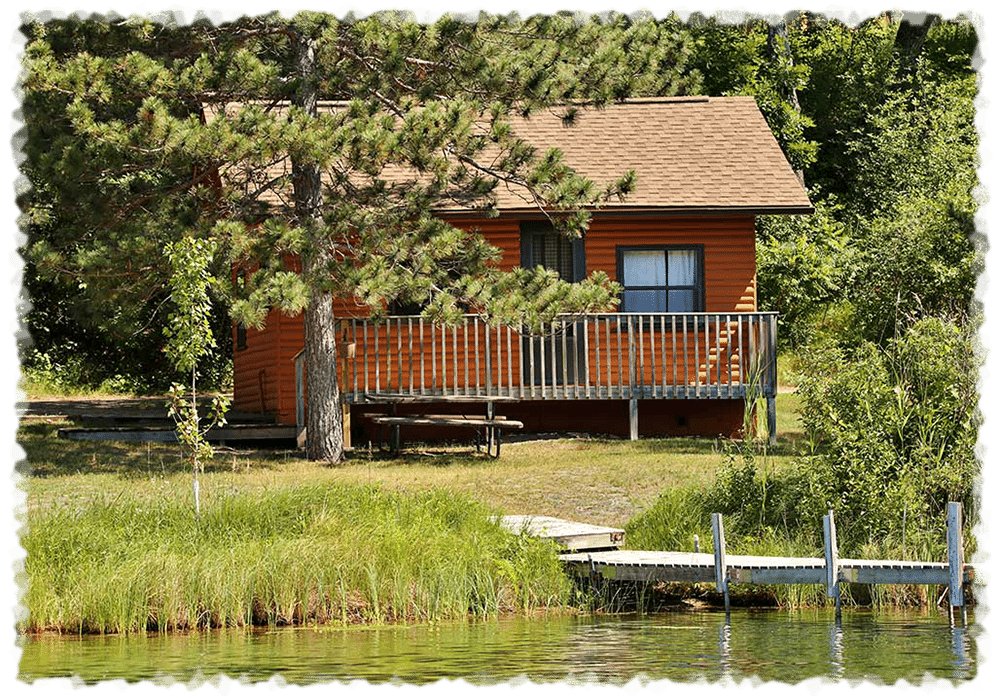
[755,210]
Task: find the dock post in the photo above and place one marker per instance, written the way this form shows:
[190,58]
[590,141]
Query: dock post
[721,573]
[832,566]
[956,560]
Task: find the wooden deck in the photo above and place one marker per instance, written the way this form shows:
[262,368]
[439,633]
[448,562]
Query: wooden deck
[617,356]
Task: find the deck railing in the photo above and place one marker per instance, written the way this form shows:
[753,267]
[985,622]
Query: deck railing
[596,356]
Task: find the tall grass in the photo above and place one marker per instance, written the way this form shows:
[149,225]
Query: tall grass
[294,555]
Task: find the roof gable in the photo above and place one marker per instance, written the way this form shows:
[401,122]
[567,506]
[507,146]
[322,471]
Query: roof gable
[689,154]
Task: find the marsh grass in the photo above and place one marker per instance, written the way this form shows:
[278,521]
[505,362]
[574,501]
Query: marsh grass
[292,555]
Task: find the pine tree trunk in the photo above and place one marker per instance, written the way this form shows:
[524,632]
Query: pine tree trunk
[324,428]
[324,425]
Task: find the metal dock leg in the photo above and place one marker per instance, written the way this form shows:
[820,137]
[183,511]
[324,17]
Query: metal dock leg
[721,573]
[832,566]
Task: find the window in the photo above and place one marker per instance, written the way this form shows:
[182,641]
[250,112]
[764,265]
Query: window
[661,279]
[542,245]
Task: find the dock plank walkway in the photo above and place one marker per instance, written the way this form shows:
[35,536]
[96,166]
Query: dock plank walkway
[570,535]
[633,565]
[595,554]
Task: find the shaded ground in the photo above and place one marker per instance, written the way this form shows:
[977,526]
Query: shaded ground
[590,478]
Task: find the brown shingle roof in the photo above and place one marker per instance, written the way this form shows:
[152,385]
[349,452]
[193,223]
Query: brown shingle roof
[691,154]
[709,153]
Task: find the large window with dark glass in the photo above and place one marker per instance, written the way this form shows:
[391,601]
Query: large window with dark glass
[656,280]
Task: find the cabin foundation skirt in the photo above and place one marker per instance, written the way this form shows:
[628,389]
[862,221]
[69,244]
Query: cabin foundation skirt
[656,418]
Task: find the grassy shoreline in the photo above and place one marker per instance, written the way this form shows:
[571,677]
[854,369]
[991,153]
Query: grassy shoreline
[113,544]
[291,556]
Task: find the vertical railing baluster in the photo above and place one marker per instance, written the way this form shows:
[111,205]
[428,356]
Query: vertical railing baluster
[487,359]
[585,326]
[423,359]
[718,357]
[653,383]
[444,360]
[454,360]
[465,334]
[399,353]
[510,377]
[434,361]
[741,376]
[555,364]
[697,361]
[676,355]
[621,371]
[687,379]
[378,367]
[597,356]
[663,357]
[641,377]
[531,361]
[729,357]
[354,361]
[409,341]
[364,328]
[565,360]
[607,337]
[475,328]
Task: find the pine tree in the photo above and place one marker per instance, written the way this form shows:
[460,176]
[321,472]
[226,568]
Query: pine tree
[273,137]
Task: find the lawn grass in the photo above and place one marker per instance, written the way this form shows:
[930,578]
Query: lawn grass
[113,543]
[604,481]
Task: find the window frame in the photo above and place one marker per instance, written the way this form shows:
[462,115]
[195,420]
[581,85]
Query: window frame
[698,287]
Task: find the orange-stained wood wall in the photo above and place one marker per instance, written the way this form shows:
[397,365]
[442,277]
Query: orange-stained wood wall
[264,372]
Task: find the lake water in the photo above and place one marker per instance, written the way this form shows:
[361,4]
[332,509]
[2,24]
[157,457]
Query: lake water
[682,646]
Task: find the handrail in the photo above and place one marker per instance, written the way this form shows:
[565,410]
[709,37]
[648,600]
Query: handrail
[592,356]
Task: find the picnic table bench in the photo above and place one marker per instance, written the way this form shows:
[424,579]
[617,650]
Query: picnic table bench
[491,423]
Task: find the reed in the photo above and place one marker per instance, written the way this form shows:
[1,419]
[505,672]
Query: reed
[288,556]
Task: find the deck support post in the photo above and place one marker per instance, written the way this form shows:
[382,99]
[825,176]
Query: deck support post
[832,565]
[772,420]
[633,419]
[956,561]
[721,573]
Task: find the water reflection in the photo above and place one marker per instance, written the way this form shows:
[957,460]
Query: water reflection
[685,646]
[960,648]
[725,667]
[837,650]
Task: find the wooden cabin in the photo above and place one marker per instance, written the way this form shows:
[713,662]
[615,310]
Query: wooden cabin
[687,344]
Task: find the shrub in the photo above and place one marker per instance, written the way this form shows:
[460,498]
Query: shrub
[897,426]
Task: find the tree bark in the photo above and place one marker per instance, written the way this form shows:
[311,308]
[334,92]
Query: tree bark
[324,426]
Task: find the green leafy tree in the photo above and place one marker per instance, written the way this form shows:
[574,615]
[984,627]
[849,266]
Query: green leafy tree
[224,133]
[189,340]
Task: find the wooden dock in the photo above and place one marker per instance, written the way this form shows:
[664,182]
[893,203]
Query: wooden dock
[592,552]
[626,565]
[571,536]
